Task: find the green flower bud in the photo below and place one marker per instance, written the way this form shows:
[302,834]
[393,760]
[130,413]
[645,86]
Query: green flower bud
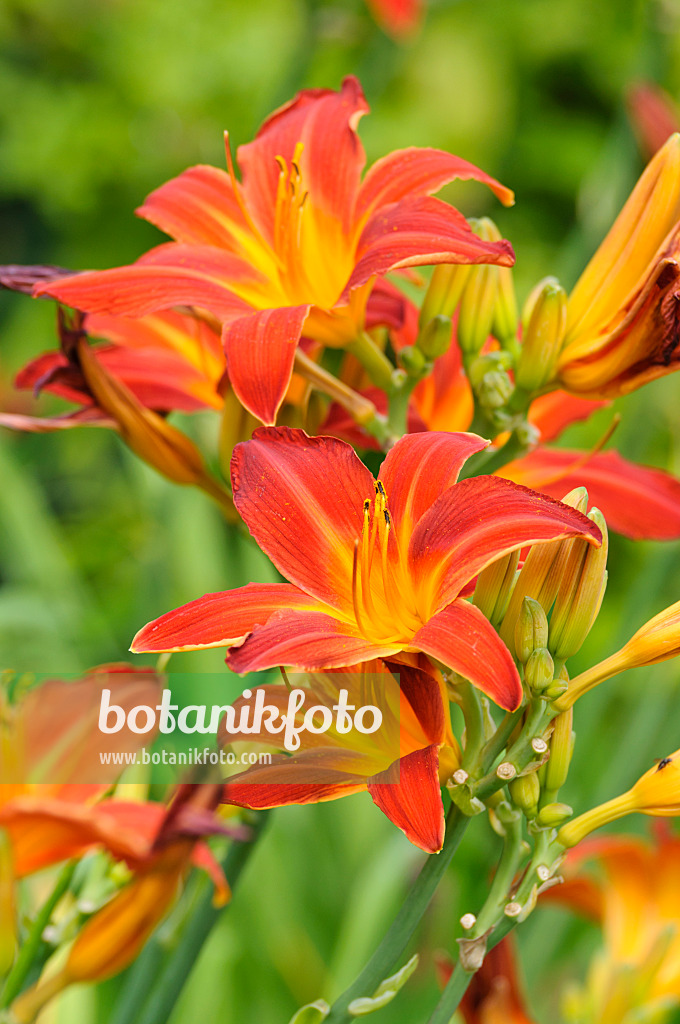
[542,337]
[539,669]
[531,631]
[578,603]
[434,338]
[553,815]
[525,792]
[413,360]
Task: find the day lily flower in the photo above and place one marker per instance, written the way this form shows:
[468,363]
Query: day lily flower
[400,764]
[656,793]
[294,247]
[377,567]
[638,501]
[622,320]
[494,995]
[628,885]
[653,114]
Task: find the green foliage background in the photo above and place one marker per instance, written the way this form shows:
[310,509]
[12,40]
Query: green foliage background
[101,102]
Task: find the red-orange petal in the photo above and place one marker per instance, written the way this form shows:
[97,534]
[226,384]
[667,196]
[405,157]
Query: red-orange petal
[418,172]
[305,640]
[478,521]
[420,468]
[331,160]
[399,18]
[302,499]
[637,501]
[198,207]
[260,350]
[461,637]
[554,412]
[419,231]
[219,620]
[171,275]
[408,793]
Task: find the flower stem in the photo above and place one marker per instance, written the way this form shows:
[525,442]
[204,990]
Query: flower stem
[27,954]
[374,361]
[405,923]
[151,992]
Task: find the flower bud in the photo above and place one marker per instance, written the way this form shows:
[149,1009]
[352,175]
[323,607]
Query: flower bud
[478,302]
[525,792]
[413,360]
[539,669]
[531,631]
[505,319]
[561,749]
[579,598]
[554,814]
[656,793]
[542,338]
[494,587]
[541,572]
[444,291]
[435,338]
[657,640]
[495,390]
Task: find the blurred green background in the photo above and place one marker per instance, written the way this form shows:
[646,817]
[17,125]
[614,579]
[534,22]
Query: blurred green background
[101,102]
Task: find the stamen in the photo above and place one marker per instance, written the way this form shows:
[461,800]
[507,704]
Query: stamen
[355,590]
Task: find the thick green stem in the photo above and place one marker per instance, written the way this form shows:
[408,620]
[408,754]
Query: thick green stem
[497,897]
[451,996]
[405,923]
[27,954]
[521,752]
[150,994]
[474,723]
[374,361]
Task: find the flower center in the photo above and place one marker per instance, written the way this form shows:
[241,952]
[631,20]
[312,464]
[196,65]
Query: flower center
[381,587]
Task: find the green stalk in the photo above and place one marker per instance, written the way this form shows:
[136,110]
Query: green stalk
[474,722]
[451,996]
[28,952]
[374,361]
[151,994]
[405,923]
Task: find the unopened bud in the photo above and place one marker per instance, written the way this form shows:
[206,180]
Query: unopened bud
[435,338]
[525,792]
[505,319]
[541,572]
[495,390]
[494,587]
[413,360]
[444,291]
[542,337]
[478,302]
[556,690]
[575,613]
[531,631]
[553,815]
[561,749]
[539,669]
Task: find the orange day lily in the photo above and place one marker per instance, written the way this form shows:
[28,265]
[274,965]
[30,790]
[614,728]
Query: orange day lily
[377,567]
[295,247]
[638,501]
[494,995]
[622,314]
[628,885]
[400,764]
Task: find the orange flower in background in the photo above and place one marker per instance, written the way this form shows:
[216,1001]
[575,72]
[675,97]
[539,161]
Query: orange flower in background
[622,314]
[399,18]
[629,886]
[377,568]
[654,115]
[494,995]
[400,765]
[295,247]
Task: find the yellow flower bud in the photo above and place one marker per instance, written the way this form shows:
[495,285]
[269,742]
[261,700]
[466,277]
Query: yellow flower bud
[8,930]
[542,338]
[444,291]
[656,793]
[657,640]
[494,586]
[478,302]
[580,595]
[541,572]
[561,749]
